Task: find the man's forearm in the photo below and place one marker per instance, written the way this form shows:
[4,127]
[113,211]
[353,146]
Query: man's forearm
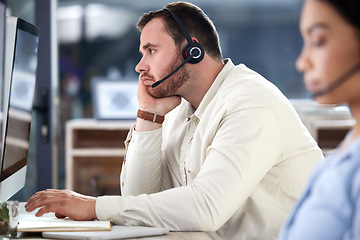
[141,171]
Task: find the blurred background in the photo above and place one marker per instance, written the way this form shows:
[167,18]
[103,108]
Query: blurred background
[98,39]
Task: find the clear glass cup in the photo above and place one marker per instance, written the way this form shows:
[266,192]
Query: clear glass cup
[9,212]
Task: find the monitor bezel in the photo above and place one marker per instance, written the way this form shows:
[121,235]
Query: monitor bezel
[20,24]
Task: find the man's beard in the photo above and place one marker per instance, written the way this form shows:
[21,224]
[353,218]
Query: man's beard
[171,86]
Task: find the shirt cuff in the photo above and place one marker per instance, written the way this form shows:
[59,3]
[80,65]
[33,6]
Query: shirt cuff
[106,208]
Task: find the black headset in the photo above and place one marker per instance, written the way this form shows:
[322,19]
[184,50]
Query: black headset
[193,52]
[193,48]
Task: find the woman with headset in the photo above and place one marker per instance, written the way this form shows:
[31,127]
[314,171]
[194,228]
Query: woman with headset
[330,61]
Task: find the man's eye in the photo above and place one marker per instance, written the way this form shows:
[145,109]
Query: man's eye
[151,51]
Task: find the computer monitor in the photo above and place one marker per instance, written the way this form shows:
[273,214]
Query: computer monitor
[20,65]
[2,49]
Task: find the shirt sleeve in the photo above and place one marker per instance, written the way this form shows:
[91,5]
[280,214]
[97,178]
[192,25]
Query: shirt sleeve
[141,170]
[329,207]
[237,160]
[355,229]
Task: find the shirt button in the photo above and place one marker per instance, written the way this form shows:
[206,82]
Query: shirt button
[182,160]
[196,122]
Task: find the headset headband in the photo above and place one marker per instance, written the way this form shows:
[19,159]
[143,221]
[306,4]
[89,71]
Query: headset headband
[181,25]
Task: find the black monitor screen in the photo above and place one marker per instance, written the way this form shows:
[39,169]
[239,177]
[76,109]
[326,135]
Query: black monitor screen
[22,87]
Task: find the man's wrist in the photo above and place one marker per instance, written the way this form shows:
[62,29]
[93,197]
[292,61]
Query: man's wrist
[155,118]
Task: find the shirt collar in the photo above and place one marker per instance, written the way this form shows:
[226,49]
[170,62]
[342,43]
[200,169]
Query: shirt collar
[211,92]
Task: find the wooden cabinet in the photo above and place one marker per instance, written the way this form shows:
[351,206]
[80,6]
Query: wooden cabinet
[328,124]
[94,155]
[330,133]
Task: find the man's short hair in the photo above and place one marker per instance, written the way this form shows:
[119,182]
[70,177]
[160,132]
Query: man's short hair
[197,23]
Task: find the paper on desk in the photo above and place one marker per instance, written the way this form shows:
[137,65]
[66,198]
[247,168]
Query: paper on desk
[43,224]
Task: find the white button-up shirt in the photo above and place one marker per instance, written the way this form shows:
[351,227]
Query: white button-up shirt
[234,166]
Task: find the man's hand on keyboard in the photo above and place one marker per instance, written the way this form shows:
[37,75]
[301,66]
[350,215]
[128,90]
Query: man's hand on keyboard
[63,203]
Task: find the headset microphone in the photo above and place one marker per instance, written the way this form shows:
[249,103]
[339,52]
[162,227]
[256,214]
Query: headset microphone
[193,52]
[180,66]
[338,81]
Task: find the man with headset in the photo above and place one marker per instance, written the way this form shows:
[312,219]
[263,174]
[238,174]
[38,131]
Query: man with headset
[216,147]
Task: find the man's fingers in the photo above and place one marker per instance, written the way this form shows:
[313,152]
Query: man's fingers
[63,203]
[58,215]
[41,211]
[41,199]
[55,207]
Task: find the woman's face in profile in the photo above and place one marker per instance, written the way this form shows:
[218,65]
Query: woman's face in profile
[331,48]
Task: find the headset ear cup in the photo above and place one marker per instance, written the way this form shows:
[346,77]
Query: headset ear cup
[196,50]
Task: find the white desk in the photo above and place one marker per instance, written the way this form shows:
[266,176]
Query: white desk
[169,236]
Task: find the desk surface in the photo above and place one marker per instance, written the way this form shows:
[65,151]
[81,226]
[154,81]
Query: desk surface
[169,236]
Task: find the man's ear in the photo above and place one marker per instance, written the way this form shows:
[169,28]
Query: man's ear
[195,39]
